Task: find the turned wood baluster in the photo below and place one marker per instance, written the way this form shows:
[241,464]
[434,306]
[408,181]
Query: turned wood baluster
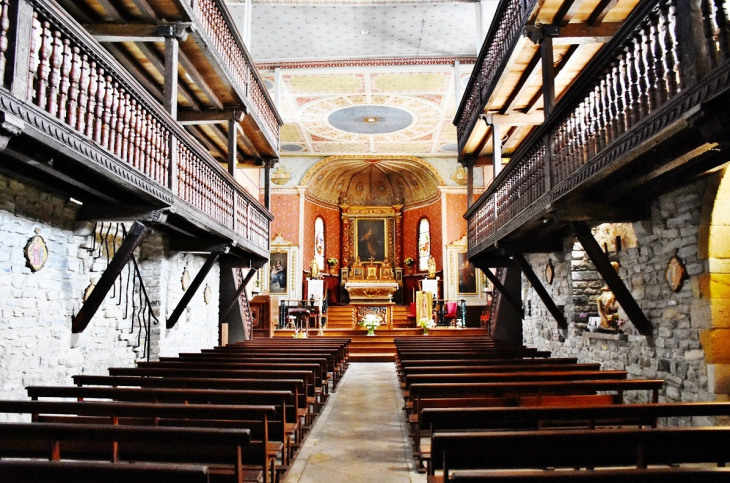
[148,144]
[65,84]
[632,79]
[151,165]
[139,156]
[660,58]
[155,165]
[127,150]
[132,136]
[45,66]
[604,108]
[55,74]
[73,91]
[570,141]
[610,107]
[165,152]
[83,100]
[120,125]
[99,106]
[106,111]
[36,39]
[91,106]
[625,89]
[651,65]
[670,45]
[723,29]
[594,116]
[640,50]
[113,120]
[708,28]
[4,27]
[584,134]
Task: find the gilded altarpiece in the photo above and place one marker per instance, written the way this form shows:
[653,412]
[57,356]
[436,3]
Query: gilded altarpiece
[361,222]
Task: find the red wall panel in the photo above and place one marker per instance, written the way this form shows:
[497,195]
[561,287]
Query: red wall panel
[455,222]
[331,217]
[411,217]
[285,208]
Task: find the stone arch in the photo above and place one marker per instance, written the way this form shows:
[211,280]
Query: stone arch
[712,290]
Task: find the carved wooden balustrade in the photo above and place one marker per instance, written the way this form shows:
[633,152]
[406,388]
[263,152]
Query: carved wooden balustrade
[512,17]
[213,18]
[663,63]
[116,124]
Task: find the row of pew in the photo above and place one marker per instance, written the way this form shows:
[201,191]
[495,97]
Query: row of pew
[237,413]
[481,410]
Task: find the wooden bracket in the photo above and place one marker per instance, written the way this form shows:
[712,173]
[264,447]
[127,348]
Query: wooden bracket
[614,282]
[540,289]
[503,290]
[196,283]
[240,289]
[117,263]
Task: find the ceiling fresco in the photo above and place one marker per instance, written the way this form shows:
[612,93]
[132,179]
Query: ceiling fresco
[372,182]
[369,110]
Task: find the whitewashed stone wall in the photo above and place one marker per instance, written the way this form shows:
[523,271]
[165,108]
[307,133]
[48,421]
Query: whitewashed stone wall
[36,344]
[673,352]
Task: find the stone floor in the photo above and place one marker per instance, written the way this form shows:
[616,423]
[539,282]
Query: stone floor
[361,436]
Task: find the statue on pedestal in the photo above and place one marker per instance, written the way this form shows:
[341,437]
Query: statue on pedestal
[314,268]
[607,305]
[431,267]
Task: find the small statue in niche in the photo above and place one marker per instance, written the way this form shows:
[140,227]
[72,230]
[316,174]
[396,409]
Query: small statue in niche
[314,268]
[431,267]
[607,305]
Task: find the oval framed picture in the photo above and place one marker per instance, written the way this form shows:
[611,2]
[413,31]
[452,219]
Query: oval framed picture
[549,272]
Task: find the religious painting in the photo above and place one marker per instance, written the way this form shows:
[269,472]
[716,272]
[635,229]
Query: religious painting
[467,276]
[371,238]
[36,251]
[278,264]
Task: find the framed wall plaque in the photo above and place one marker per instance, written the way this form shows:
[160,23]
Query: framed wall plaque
[675,273]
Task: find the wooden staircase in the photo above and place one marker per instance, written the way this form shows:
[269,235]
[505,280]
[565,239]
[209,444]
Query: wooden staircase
[380,347]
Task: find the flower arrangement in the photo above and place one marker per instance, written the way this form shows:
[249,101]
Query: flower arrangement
[370,321]
[332,261]
[408,262]
[426,324]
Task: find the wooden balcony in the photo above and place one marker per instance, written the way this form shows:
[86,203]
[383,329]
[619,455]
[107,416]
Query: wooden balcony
[75,120]
[647,113]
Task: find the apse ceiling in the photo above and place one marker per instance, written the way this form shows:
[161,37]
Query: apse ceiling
[372,182]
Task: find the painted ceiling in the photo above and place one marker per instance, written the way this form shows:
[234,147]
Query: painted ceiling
[326,111]
[372,182]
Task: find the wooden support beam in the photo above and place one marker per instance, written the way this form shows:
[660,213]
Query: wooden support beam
[137,32]
[140,74]
[114,212]
[199,80]
[523,83]
[566,12]
[194,285]
[540,289]
[503,290]
[496,150]
[581,33]
[612,279]
[600,12]
[548,75]
[172,47]
[267,183]
[232,145]
[159,64]
[532,104]
[223,116]
[115,267]
[239,291]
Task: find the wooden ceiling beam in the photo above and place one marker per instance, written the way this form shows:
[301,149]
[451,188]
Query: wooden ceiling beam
[515,118]
[580,33]
[532,68]
[531,105]
[600,12]
[198,79]
[142,76]
[145,9]
[566,12]
[114,32]
[209,117]
[201,136]
[159,64]
[243,138]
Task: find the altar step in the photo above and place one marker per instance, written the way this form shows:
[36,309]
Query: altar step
[340,317]
[380,347]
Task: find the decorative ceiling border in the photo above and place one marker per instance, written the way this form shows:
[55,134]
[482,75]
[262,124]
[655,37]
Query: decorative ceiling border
[329,3]
[365,62]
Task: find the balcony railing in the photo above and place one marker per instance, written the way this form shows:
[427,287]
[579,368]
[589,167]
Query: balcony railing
[212,16]
[73,81]
[492,60]
[655,70]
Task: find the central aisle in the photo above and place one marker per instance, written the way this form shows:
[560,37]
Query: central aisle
[361,436]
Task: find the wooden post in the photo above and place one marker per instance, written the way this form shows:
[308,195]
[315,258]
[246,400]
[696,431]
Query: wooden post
[548,73]
[196,283]
[117,263]
[496,150]
[540,289]
[267,183]
[172,48]
[612,279]
[18,65]
[233,145]
[503,290]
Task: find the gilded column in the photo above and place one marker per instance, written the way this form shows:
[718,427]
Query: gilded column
[345,237]
[398,235]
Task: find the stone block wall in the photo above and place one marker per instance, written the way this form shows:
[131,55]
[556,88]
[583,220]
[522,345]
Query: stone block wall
[673,351]
[36,344]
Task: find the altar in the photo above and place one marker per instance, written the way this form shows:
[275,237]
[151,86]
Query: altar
[372,292]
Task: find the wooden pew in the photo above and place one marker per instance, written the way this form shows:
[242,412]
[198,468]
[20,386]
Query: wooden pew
[182,371]
[315,391]
[434,420]
[187,396]
[591,448]
[461,369]
[404,365]
[220,449]
[468,355]
[651,475]
[26,471]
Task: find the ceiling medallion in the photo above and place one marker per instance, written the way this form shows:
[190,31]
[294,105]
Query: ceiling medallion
[370,119]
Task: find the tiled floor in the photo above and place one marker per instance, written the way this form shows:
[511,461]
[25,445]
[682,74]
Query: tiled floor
[361,436]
